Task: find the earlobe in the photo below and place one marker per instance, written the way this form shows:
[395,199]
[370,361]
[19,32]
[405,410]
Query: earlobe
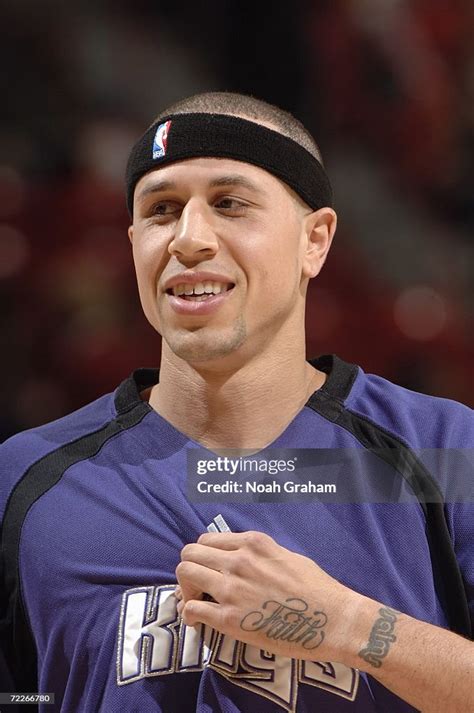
[320,229]
[130,234]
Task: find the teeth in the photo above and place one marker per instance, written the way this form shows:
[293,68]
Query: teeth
[200,288]
[196,298]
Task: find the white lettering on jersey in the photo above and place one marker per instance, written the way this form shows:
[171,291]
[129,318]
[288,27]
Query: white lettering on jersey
[195,647]
[226,654]
[153,641]
[277,679]
[334,677]
[147,635]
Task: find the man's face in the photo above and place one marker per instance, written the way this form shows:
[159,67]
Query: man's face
[231,219]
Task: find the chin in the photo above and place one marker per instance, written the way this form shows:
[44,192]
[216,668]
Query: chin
[197,347]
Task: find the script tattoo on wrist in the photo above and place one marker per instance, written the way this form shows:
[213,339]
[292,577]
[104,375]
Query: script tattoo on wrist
[287,622]
[380,637]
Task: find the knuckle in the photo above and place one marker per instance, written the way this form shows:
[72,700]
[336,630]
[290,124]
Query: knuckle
[183,570]
[188,608]
[258,540]
[227,589]
[242,562]
[187,552]
[187,613]
[226,618]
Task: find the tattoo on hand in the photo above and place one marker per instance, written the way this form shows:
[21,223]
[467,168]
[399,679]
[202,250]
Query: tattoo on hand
[380,637]
[287,622]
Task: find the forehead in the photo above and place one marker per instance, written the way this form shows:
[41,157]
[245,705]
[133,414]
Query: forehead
[209,171]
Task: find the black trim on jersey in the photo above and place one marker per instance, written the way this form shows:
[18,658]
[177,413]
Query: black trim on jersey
[16,636]
[329,403]
[127,395]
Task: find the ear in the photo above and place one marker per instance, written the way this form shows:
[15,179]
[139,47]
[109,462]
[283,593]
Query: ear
[319,229]
[130,234]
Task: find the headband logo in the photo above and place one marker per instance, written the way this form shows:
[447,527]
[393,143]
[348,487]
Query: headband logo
[161,139]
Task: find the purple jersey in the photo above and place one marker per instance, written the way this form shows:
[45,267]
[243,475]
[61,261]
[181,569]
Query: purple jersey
[95,512]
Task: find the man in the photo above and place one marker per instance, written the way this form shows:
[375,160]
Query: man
[295,605]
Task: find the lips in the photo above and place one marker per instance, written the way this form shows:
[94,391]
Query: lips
[194,307]
[198,284]
[199,289]
[193,278]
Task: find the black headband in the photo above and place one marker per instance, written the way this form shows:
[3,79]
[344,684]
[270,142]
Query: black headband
[182,136]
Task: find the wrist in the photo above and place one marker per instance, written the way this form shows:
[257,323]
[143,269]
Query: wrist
[373,630]
[346,613]
[351,628]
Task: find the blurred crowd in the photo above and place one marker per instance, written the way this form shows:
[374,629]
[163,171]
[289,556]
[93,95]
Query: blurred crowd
[387,87]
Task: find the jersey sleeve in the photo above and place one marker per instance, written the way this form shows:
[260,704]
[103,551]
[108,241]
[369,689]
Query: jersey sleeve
[461,519]
[13,463]
[441,433]
[460,512]
[18,455]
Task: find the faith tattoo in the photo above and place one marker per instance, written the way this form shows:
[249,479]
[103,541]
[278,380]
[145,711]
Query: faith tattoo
[287,622]
[381,637]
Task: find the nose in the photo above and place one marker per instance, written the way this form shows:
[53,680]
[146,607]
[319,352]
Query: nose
[194,237]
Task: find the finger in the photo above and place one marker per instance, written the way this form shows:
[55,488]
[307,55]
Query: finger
[178,592]
[228,540]
[182,603]
[201,612]
[205,555]
[256,541]
[195,580]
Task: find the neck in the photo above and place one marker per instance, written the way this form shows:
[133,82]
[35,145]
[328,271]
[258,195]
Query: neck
[235,406]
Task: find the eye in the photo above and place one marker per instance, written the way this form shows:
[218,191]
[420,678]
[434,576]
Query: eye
[230,205]
[164,211]
[163,208]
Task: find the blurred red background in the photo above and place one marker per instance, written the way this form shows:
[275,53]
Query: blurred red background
[386,87]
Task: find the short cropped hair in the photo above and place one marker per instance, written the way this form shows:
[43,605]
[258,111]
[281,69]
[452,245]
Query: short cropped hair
[247,107]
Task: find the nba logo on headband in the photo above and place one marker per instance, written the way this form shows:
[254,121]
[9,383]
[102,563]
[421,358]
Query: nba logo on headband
[161,139]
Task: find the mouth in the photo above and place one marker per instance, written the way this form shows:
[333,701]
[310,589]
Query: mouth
[201,292]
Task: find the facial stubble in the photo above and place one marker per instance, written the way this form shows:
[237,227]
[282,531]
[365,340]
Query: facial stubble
[205,343]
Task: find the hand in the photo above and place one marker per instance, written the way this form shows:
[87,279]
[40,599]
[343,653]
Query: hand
[262,594]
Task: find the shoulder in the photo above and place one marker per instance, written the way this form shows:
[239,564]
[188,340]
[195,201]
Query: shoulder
[419,420]
[23,450]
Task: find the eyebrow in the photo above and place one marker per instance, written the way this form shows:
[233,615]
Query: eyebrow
[155,187]
[236,179]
